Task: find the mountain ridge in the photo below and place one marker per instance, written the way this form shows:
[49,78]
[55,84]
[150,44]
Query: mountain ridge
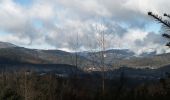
[114,58]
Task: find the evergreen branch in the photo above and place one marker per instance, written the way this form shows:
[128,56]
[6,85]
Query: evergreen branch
[168,44]
[166,36]
[159,19]
[167,15]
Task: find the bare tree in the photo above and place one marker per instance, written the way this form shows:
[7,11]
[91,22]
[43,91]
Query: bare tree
[101,42]
[98,54]
[76,50]
[26,88]
[74,56]
[75,46]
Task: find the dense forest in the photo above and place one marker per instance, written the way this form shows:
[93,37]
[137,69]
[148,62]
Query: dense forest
[31,86]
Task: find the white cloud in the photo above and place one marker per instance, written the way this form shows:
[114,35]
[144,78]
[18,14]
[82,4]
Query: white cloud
[63,19]
[14,39]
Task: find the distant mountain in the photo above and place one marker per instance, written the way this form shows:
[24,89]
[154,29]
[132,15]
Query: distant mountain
[118,53]
[111,56]
[148,54]
[114,58]
[154,61]
[118,63]
[7,45]
[11,54]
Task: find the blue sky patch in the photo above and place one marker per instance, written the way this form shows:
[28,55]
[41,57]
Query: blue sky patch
[37,23]
[153,27]
[23,2]
[3,32]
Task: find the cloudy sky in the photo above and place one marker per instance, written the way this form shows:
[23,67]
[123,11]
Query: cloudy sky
[56,24]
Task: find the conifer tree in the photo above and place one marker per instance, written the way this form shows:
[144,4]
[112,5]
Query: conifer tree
[165,24]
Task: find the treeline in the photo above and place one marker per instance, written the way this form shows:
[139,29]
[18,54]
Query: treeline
[31,86]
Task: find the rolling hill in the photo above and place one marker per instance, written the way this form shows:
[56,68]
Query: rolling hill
[114,58]
[59,62]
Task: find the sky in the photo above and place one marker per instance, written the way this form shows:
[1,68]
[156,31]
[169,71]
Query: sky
[77,24]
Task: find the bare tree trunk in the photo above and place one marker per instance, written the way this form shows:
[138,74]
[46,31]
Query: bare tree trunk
[103,63]
[77,50]
[25,85]
[101,43]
